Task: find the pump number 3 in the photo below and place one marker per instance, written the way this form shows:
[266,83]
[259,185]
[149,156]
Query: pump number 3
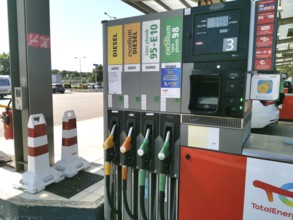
[230,44]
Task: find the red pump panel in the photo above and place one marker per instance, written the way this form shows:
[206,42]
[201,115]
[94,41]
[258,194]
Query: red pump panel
[286,112]
[211,185]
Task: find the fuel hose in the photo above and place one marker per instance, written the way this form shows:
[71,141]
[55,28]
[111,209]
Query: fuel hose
[108,145]
[162,184]
[163,156]
[143,151]
[126,147]
[142,190]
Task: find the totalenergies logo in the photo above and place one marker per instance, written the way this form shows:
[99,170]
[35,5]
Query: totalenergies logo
[283,191]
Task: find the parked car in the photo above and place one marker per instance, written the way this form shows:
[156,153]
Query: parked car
[58,88]
[264,113]
[99,85]
[5,86]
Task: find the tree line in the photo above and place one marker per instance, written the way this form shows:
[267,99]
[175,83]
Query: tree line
[67,76]
[97,73]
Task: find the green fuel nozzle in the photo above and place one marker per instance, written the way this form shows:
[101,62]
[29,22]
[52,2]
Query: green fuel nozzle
[165,150]
[144,147]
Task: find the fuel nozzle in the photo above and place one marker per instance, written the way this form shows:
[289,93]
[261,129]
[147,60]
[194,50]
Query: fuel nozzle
[144,147]
[126,146]
[109,142]
[165,150]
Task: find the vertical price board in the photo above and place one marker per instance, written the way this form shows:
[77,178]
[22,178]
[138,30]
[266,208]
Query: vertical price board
[265,35]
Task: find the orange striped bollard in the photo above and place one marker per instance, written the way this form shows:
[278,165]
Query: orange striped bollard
[39,173]
[70,163]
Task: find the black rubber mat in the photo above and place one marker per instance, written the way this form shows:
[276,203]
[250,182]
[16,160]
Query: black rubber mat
[71,186]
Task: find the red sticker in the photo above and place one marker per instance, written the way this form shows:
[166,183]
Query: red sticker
[45,42]
[263,53]
[265,18]
[267,29]
[263,64]
[265,6]
[33,39]
[265,41]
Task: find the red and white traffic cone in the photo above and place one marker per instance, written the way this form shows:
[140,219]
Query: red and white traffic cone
[70,163]
[39,173]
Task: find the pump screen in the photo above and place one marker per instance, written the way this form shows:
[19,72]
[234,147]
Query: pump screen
[218,22]
[204,96]
[216,33]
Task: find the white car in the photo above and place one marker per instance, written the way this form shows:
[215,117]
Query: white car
[264,113]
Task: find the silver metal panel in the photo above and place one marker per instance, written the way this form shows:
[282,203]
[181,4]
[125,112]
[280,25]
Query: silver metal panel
[230,140]
[251,36]
[212,121]
[34,70]
[117,101]
[185,92]
[269,147]
[39,67]
[151,86]
[15,79]
[131,86]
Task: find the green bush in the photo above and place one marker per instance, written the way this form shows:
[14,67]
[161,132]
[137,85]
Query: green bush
[84,86]
[67,85]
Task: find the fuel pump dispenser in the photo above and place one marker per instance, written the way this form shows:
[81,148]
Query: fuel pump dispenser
[142,80]
[177,90]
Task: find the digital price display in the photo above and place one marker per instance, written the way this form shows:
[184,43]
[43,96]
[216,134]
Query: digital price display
[216,32]
[218,22]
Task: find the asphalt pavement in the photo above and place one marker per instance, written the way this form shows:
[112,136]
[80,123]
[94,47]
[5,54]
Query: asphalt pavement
[88,108]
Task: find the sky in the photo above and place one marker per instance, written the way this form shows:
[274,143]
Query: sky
[76,30]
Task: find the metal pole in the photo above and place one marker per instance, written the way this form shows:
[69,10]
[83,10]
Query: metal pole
[110,16]
[79,62]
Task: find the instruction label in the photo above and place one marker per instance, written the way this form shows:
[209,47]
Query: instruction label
[170,80]
[114,75]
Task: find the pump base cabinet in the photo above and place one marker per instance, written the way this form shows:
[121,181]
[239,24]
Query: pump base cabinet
[232,187]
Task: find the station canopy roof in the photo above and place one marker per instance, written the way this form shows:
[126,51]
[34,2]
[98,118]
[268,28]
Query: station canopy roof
[284,53]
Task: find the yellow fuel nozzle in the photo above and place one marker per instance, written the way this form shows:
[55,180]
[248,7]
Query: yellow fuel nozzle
[109,142]
[126,146]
